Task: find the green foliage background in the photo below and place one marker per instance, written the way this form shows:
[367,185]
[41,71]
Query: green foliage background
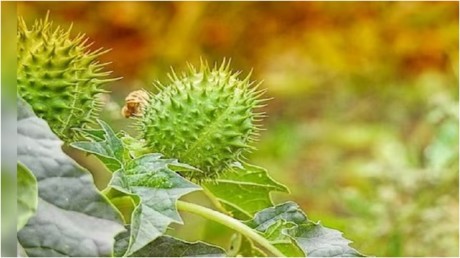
[363,127]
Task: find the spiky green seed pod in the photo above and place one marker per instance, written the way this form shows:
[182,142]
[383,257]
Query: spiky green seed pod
[203,118]
[59,76]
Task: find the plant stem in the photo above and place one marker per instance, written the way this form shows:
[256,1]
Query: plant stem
[229,222]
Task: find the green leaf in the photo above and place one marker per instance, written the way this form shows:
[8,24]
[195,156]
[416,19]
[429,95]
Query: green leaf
[158,188]
[27,195]
[166,246]
[288,228]
[318,241]
[122,242]
[273,222]
[144,188]
[288,211]
[110,150]
[243,190]
[283,242]
[243,246]
[72,218]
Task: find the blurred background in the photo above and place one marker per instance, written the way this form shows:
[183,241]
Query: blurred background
[363,127]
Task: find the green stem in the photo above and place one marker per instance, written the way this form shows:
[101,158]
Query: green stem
[229,222]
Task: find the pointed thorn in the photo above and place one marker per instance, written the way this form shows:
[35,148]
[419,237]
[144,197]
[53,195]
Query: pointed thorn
[173,75]
[69,29]
[222,66]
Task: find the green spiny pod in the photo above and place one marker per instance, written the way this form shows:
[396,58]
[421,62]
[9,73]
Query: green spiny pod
[59,77]
[203,118]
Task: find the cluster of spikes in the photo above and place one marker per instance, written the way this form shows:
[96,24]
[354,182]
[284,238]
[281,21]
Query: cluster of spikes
[204,118]
[59,76]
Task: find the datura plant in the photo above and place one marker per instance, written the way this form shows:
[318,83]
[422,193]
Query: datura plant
[193,134]
[204,118]
[59,76]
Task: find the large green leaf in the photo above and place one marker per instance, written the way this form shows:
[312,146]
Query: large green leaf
[243,190]
[27,195]
[166,246]
[158,188]
[143,187]
[72,218]
[288,228]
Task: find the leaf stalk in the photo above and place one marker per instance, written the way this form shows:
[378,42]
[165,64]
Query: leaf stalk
[229,222]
